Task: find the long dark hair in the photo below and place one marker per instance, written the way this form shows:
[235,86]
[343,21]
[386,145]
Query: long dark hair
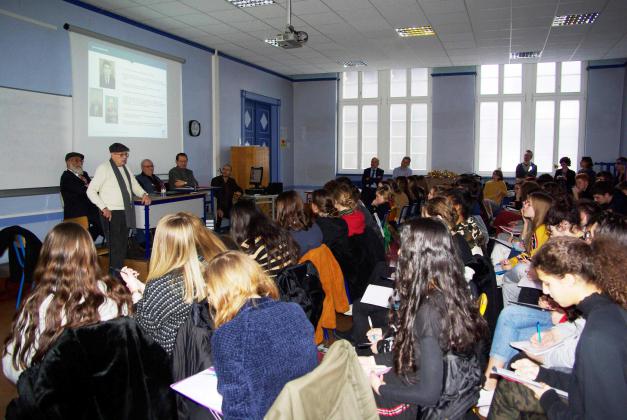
[428,266]
[68,271]
[291,213]
[323,200]
[249,223]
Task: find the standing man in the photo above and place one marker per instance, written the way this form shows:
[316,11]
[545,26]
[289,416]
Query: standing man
[180,176]
[369,181]
[74,183]
[229,190]
[404,169]
[150,182]
[526,168]
[112,190]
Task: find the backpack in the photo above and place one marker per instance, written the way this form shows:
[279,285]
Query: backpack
[462,381]
[300,284]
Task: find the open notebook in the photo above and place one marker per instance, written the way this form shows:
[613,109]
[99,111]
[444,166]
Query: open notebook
[202,388]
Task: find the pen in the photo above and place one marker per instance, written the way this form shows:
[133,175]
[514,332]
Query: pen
[370,322]
[538,329]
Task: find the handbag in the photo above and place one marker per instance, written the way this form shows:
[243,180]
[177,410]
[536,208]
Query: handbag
[462,381]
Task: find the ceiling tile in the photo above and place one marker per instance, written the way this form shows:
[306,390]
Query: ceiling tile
[197,19]
[173,8]
[140,13]
[208,5]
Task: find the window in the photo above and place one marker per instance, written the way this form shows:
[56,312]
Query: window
[528,106]
[384,113]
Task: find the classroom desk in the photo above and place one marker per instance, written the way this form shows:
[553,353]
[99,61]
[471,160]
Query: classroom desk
[147,217]
[263,199]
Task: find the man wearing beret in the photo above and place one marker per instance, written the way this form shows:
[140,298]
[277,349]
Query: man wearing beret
[74,182]
[112,190]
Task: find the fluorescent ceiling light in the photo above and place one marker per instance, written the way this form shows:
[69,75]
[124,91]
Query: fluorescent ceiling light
[272,42]
[571,20]
[357,63]
[250,3]
[525,54]
[415,31]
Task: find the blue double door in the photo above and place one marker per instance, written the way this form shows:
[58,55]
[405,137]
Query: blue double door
[257,123]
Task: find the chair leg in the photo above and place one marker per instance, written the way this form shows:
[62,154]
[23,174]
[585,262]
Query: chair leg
[19,292]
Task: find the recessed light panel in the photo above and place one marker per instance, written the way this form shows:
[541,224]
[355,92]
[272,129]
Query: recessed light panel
[525,54]
[358,63]
[415,31]
[250,3]
[272,42]
[571,20]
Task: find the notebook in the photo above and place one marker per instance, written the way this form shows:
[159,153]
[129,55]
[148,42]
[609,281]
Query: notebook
[509,374]
[201,388]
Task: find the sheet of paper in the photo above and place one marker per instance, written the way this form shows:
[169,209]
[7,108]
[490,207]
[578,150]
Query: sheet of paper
[377,295]
[201,388]
[509,374]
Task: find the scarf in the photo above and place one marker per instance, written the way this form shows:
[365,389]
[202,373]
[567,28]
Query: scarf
[129,211]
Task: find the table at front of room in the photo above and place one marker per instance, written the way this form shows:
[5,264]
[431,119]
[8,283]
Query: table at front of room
[147,217]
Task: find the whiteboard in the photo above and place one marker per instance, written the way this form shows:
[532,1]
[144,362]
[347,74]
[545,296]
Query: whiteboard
[35,135]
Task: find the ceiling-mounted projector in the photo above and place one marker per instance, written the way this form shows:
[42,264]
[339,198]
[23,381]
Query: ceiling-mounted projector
[291,38]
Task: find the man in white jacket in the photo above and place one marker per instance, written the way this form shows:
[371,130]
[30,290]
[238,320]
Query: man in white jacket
[111,190]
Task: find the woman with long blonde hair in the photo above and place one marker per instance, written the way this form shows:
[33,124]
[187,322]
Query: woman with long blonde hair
[260,343]
[175,280]
[70,292]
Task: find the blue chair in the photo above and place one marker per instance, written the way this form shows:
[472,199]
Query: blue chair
[19,245]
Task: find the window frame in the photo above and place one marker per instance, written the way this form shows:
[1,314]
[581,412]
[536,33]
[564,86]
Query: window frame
[383,102]
[528,98]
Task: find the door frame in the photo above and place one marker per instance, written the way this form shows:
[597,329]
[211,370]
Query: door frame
[275,111]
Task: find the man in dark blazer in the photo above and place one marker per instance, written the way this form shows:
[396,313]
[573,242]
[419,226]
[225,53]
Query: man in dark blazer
[229,190]
[369,181]
[74,182]
[150,182]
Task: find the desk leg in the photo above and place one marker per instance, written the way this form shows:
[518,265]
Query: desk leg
[147,231]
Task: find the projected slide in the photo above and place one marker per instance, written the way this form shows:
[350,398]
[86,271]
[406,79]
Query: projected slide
[128,94]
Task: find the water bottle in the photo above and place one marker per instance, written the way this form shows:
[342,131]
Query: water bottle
[163,190]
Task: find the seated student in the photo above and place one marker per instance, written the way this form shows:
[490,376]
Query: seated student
[259,343]
[70,292]
[565,174]
[609,198]
[581,190]
[494,191]
[587,210]
[175,277]
[334,229]
[585,167]
[261,238]
[416,192]
[382,202]
[347,208]
[596,386]
[621,171]
[605,176]
[291,215]
[399,197]
[562,219]
[356,195]
[534,236]
[436,316]
[466,225]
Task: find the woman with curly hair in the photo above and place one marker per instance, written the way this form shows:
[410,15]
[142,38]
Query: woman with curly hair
[262,238]
[596,385]
[70,292]
[436,317]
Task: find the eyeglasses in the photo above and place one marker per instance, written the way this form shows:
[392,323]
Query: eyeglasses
[124,154]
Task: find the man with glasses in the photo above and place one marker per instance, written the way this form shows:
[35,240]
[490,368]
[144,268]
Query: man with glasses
[111,190]
[180,176]
[147,179]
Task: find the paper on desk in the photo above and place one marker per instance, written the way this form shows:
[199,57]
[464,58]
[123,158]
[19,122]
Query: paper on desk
[201,388]
[377,295]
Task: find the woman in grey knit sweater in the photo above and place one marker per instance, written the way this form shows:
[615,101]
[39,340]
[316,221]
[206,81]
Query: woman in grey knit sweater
[175,279]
